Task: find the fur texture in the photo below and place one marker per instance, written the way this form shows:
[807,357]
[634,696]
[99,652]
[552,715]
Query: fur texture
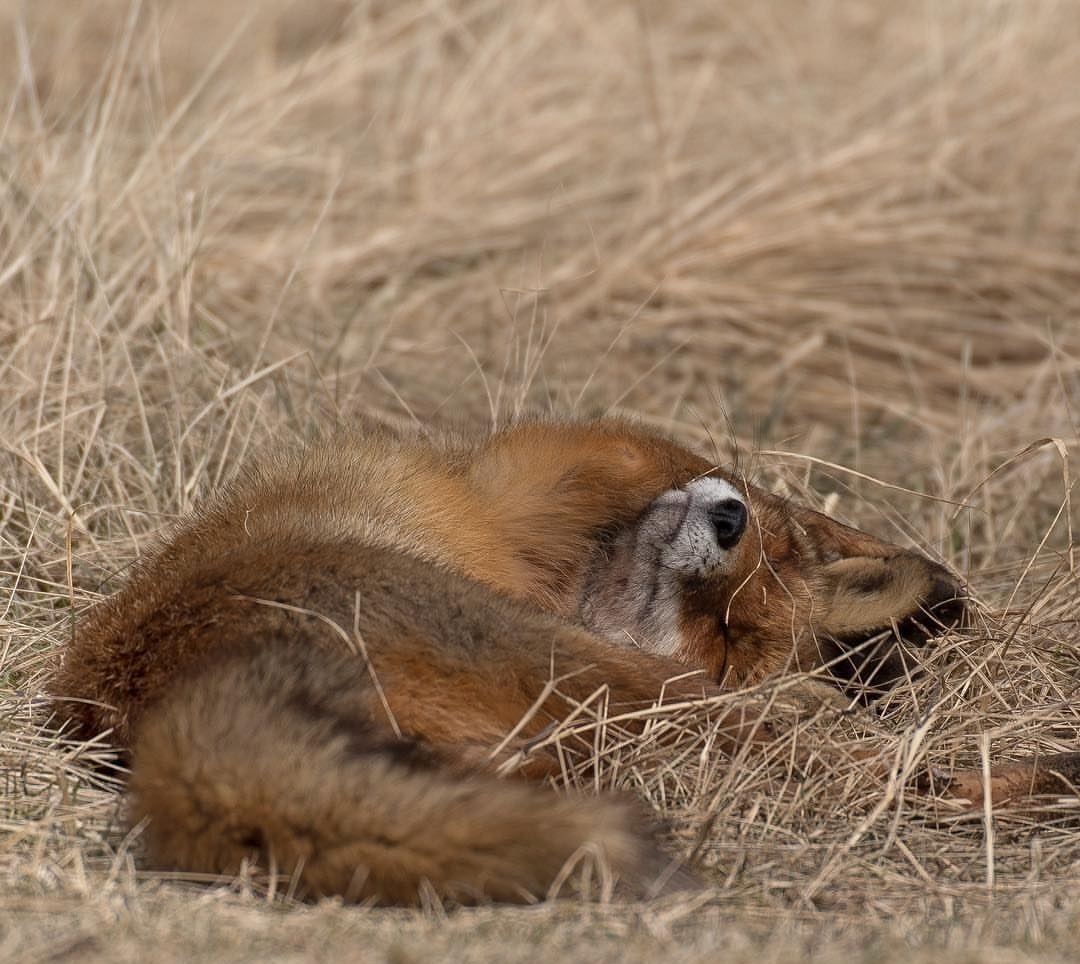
[313,670]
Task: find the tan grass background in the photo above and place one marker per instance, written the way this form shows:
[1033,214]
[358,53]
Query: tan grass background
[839,240]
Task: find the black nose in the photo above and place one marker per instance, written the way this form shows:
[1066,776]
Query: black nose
[729,520]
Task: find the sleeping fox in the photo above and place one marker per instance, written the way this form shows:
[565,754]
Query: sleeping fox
[322,666]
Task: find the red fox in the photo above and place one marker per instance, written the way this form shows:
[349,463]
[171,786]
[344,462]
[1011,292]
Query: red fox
[314,668]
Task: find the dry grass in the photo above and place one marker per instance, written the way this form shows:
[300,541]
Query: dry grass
[833,232]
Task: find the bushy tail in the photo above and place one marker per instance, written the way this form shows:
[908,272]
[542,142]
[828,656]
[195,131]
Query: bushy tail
[276,757]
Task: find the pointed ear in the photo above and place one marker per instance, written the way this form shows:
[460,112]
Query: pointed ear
[864,594]
[834,541]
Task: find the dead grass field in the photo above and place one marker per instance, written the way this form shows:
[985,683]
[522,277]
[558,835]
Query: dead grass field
[840,238]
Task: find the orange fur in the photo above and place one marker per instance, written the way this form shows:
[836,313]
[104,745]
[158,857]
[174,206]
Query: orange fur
[315,667]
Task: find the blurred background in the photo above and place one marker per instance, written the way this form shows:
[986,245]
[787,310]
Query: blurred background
[830,224]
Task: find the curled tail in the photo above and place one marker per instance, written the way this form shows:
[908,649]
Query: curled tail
[277,757]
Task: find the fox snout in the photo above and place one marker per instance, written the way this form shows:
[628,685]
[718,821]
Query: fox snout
[688,536]
[728,518]
[693,530]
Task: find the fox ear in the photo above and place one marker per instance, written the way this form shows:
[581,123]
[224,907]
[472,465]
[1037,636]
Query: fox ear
[868,585]
[864,594]
[866,607]
[835,541]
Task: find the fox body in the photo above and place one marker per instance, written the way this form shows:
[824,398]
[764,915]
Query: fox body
[321,666]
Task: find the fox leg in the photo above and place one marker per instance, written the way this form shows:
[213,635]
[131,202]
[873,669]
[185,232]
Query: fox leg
[1012,783]
[490,712]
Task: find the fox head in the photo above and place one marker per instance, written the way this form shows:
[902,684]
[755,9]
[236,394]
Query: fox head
[724,576]
[650,545]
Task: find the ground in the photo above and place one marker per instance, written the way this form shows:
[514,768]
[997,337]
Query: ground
[836,242]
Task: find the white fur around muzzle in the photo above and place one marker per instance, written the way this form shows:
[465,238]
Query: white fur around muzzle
[637,597]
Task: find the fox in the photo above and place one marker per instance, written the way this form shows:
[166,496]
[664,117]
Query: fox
[321,669]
